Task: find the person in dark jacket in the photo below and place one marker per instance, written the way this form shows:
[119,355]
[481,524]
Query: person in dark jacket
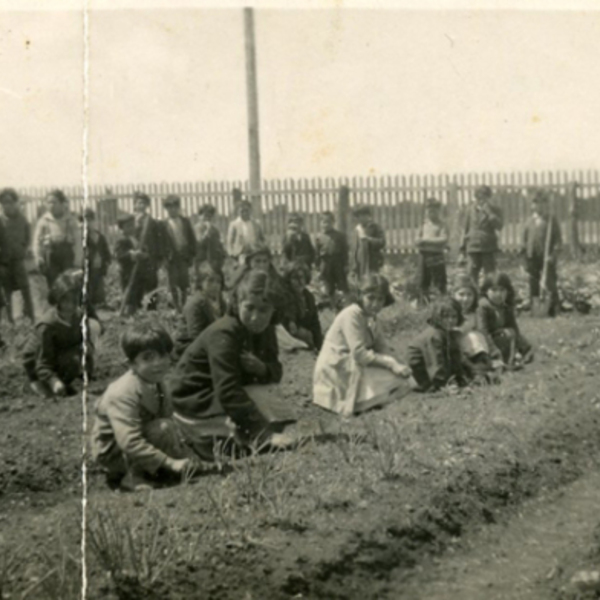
[149,253]
[303,319]
[368,243]
[480,238]
[534,248]
[179,249]
[202,308]
[17,238]
[434,356]
[497,321]
[331,250]
[297,245]
[126,254]
[209,389]
[98,259]
[53,354]
[209,245]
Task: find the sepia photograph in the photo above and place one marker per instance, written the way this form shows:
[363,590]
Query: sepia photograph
[299,300]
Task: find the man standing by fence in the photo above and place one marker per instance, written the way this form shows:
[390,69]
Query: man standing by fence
[480,238]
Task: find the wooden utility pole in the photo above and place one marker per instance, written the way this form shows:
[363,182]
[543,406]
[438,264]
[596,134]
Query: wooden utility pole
[252,102]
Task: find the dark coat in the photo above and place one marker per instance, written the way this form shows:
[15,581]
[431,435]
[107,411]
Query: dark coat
[304,314]
[169,247]
[152,243]
[98,247]
[17,237]
[298,247]
[123,246]
[481,229]
[367,255]
[331,251]
[209,248]
[209,380]
[534,238]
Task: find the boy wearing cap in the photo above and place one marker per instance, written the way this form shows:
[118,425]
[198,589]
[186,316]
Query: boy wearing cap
[209,245]
[179,249]
[480,238]
[297,246]
[17,237]
[150,251]
[243,232]
[368,243]
[534,248]
[98,259]
[432,244]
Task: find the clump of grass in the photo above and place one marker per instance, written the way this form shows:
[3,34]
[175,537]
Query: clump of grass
[134,554]
[386,439]
[12,564]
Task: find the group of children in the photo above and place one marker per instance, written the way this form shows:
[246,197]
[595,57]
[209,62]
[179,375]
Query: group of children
[155,423]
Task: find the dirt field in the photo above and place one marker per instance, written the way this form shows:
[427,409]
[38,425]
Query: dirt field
[484,493]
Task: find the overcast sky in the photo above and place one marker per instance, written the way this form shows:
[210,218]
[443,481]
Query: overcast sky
[341,92]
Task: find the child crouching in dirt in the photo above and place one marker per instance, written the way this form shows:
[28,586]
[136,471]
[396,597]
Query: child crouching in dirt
[53,355]
[202,308]
[134,438]
[209,386]
[434,356]
[497,321]
[473,344]
[354,370]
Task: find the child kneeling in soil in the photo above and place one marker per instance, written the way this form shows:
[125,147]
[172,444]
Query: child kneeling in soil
[53,354]
[354,371]
[204,307]
[302,319]
[134,438]
[497,321]
[473,344]
[434,356]
[211,388]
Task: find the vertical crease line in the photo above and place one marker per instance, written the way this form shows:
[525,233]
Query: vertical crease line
[84,321]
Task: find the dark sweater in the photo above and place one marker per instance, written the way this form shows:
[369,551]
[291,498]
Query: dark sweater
[481,229]
[331,250]
[169,245]
[208,379]
[435,357]
[97,246]
[17,237]
[298,248]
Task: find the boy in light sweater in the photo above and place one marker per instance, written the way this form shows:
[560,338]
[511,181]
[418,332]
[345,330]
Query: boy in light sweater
[134,438]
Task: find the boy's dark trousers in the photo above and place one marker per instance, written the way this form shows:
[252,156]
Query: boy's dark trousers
[146,281]
[478,261]
[18,279]
[432,272]
[333,277]
[535,267]
[96,292]
[178,273]
[60,258]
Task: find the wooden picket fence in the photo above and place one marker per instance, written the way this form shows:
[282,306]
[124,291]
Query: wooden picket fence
[397,202]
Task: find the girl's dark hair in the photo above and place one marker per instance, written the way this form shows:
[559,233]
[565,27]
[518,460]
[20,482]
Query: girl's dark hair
[254,283]
[442,308]
[463,281]
[208,210]
[373,282]
[145,336]
[206,270]
[59,195]
[67,282]
[501,280]
[297,268]
[9,195]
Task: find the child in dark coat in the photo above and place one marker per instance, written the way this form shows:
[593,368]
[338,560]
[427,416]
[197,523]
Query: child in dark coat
[331,249]
[203,307]
[497,321]
[209,245]
[297,245]
[432,244]
[534,248]
[368,244]
[302,321]
[126,253]
[134,438]
[53,355]
[434,356]
[209,386]
[17,237]
[98,259]
[179,249]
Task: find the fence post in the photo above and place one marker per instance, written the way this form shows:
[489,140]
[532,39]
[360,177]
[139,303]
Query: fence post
[343,209]
[453,221]
[573,226]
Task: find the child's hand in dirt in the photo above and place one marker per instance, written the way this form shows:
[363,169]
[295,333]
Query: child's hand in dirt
[179,465]
[253,365]
[401,370]
[58,388]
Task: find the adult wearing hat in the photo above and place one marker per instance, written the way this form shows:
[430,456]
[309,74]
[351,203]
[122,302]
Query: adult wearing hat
[480,239]
[179,247]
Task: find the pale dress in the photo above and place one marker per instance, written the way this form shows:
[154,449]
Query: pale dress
[344,380]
